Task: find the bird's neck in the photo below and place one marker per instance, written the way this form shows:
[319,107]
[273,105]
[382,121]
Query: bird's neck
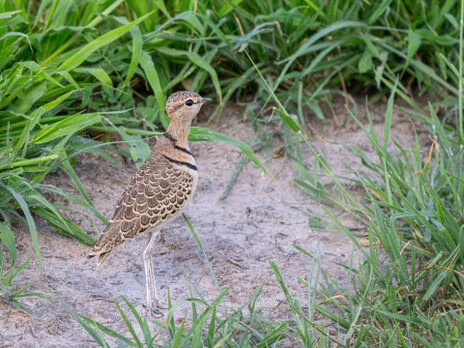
[178,132]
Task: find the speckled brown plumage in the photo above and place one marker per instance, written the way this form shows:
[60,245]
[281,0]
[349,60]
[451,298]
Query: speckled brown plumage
[156,194]
[159,190]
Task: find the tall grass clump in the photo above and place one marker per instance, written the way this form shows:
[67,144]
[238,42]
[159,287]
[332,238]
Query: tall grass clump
[309,51]
[408,289]
[306,51]
[40,116]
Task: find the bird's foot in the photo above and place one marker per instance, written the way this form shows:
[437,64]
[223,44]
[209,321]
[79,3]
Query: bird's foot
[155,310]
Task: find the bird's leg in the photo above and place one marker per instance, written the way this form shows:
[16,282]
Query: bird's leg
[153,304]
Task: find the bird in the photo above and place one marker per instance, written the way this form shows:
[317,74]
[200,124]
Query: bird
[157,192]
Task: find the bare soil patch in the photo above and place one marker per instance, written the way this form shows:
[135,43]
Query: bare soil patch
[256,223]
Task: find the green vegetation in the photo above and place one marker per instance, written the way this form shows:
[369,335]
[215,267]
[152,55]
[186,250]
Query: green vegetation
[408,291]
[70,66]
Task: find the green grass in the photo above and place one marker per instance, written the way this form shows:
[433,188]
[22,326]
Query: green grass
[408,291]
[307,49]
[242,327]
[70,66]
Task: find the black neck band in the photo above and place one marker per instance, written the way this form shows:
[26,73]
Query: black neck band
[187,164]
[183,149]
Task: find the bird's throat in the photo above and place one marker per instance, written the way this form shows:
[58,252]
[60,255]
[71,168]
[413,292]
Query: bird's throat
[179,131]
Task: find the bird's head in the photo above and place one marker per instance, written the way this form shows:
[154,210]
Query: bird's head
[184,105]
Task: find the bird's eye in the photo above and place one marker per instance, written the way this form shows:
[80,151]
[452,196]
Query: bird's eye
[189,102]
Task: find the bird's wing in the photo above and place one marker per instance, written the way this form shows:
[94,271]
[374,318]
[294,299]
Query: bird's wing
[156,193]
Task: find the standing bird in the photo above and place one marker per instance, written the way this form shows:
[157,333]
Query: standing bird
[158,191]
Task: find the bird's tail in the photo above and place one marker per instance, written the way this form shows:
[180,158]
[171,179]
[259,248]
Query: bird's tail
[101,257]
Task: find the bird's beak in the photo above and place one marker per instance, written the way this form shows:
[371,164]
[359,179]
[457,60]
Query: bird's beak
[206,100]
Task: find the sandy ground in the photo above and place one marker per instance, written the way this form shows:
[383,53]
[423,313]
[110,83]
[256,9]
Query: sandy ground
[256,223]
